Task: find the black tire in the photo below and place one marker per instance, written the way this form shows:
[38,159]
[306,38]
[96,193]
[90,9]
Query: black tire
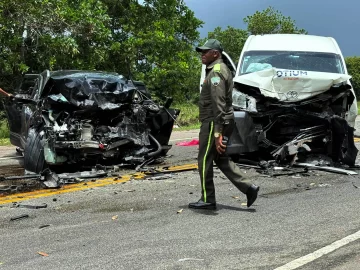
[34,159]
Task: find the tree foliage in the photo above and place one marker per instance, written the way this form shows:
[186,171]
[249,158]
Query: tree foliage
[268,21]
[271,21]
[40,34]
[160,43]
[153,40]
[353,67]
[232,39]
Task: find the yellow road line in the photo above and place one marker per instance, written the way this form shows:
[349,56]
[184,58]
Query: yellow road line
[65,189]
[356,139]
[86,185]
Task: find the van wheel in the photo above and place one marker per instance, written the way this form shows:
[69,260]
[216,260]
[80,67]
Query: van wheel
[34,159]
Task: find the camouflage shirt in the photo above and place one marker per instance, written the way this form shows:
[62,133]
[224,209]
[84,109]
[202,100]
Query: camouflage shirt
[216,95]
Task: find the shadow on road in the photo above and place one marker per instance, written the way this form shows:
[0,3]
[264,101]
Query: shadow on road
[219,208]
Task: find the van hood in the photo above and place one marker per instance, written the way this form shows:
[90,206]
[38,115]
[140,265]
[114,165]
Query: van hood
[291,85]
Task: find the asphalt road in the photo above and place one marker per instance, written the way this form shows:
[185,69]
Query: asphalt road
[311,221]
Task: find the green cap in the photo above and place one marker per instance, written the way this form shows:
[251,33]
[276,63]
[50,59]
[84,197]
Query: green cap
[211,44]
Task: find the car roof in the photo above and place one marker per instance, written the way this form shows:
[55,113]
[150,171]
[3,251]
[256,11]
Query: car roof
[291,42]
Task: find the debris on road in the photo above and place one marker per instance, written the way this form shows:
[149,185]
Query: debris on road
[159,176]
[19,205]
[273,169]
[19,217]
[115,217]
[326,168]
[43,254]
[355,186]
[190,259]
[21,177]
[188,143]
[180,211]
[44,226]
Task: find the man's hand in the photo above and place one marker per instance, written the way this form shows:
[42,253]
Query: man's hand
[220,147]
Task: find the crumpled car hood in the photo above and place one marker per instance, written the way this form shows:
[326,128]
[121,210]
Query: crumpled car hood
[291,85]
[90,90]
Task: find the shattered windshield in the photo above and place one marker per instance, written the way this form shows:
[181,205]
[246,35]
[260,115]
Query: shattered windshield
[310,61]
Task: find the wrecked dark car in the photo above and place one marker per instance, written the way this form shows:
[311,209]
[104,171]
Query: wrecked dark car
[87,117]
[293,101]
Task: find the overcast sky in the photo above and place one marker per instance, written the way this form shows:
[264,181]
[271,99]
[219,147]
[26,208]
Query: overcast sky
[338,19]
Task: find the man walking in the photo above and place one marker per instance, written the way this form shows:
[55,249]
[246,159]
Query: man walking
[217,122]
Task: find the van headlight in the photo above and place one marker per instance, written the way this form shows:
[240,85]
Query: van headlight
[238,99]
[242,101]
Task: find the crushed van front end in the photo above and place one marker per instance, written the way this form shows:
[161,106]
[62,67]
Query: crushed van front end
[289,115]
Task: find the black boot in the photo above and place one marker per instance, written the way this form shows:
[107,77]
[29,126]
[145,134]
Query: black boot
[202,205]
[251,194]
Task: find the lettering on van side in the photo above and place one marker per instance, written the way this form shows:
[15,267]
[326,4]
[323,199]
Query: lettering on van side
[290,73]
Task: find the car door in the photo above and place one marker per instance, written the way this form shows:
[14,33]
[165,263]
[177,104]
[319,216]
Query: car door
[16,109]
[227,60]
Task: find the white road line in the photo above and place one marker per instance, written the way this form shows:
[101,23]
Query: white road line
[320,252]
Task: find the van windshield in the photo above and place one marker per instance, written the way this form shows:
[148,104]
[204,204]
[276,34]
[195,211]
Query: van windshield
[309,61]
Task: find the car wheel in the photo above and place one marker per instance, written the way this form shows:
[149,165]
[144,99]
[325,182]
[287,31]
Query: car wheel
[34,159]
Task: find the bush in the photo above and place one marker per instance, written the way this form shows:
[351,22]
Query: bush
[4,129]
[189,114]
[353,67]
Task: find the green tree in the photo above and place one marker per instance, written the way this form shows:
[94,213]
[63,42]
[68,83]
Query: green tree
[156,40]
[41,34]
[268,21]
[153,40]
[353,67]
[232,39]
[271,21]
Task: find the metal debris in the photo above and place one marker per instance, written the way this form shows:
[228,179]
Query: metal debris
[159,176]
[19,217]
[51,179]
[19,205]
[190,259]
[21,177]
[325,168]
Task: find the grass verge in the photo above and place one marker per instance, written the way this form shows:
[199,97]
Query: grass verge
[189,116]
[4,133]
[5,142]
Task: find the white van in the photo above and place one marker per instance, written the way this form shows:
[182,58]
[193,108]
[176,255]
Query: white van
[292,95]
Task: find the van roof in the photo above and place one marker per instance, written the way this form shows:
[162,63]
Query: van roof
[291,42]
